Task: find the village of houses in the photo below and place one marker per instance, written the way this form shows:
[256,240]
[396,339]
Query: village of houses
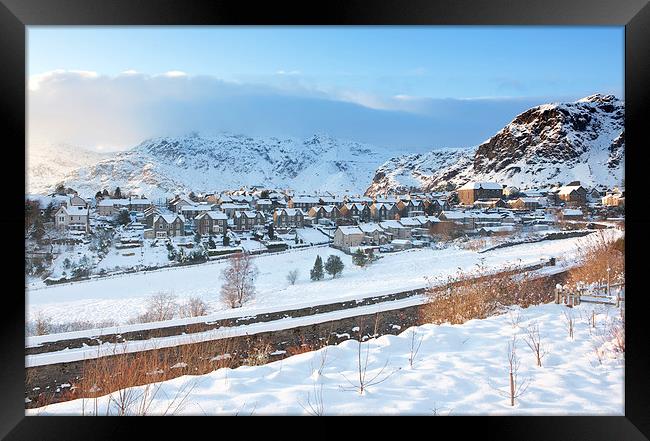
[128,233]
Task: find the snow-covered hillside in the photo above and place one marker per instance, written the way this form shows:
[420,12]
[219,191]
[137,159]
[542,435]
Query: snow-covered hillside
[456,370]
[161,166]
[48,164]
[583,140]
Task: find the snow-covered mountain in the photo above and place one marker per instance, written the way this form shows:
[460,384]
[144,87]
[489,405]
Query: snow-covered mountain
[166,165]
[583,140]
[48,164]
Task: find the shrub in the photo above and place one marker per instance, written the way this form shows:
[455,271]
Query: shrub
[597,253]
[478,295]
[292,276]
[194,307]
[334,266]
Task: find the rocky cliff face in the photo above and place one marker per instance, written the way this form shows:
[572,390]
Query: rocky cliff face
[583,140]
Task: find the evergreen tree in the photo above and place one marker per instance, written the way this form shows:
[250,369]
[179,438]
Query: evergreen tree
[60,189]
[226,239]
[123,217]
[264,194]
[39,230]
[105,193]
[359,258]
[271,232]
[197,238]
[49,212]
[295,239]
[316,272]
[211,244]
[334,265]
[98,195]
[192,196]
[117,194]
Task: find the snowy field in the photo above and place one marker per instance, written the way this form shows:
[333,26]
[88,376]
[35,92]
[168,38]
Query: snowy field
[122,297]
[458,370]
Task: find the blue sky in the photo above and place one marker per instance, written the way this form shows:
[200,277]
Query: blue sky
[412,70]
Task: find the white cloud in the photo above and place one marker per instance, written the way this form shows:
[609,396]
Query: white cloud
[174,74]
[116,112]
[289,72]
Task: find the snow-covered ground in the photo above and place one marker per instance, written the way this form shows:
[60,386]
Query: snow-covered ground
[458,370]
[152,253]
[122,297]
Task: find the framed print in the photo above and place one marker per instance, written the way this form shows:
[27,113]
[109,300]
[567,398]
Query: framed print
[409,210]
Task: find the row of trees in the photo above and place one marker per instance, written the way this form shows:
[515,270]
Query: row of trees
[334,266]
[116,194]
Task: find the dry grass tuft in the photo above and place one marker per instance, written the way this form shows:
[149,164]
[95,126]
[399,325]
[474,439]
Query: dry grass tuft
[477,295]
[597,254]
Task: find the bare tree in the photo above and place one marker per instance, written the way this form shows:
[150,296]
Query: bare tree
[515,318]
[517,388]
[194,307]
[239,280]
[569,320]
[415,348]
[292,276]
[42,324]
[363,381]
[534,342]
[317,406]
[161,306]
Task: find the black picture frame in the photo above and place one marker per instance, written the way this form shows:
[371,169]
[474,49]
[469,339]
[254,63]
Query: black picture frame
[15,15]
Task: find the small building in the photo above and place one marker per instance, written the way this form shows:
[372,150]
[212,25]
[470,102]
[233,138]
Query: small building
[304,203]
[381,211]
[192,211]
[289,218]
[355,210]
[264,205]
[325,212]
[77,201]
[490,203]
[179,201]
[348,236]
[337,201]
[524,203]
[169,225]
[473,191]
[211,222]
[111,207]
[571,214]
[373,233]
[74,218]
[401,244]
[246,220]
[462,218]
[396,229]
[614,200]
[231,207]
[573,194]
[149,215]
[511,191]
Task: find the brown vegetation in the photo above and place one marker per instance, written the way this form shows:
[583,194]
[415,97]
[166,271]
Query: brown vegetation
[478,294]
[597,254]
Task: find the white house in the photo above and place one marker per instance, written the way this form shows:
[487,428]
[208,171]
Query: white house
[73,218]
